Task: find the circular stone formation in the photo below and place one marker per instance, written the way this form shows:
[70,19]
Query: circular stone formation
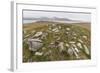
[57,42]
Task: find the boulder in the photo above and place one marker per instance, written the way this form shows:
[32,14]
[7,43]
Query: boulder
[34,44]
[61,46]
[70,51]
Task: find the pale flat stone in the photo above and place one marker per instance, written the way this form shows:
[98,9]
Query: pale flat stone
[61,46]
[55,30]
[67,28]
[67,45]
[76,49]
[39,53]
[86,49]
[72,42]
[80,40]
[38,34]
[76,54]
[85,37]
[79,45]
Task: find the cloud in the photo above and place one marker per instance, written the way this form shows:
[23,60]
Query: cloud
[71,15]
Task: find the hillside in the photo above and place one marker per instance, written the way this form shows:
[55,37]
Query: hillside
[59,41]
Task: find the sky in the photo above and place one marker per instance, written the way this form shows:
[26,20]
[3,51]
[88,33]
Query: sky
[70,15]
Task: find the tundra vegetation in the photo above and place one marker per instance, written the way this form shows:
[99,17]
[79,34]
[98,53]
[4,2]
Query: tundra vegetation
[54,41]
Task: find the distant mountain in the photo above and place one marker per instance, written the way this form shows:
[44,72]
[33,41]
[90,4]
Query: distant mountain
[53,19]
[48,19]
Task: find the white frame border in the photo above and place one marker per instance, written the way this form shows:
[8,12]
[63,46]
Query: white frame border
[16,59]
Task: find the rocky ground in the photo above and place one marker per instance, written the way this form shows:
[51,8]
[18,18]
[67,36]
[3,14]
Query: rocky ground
[55,42]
